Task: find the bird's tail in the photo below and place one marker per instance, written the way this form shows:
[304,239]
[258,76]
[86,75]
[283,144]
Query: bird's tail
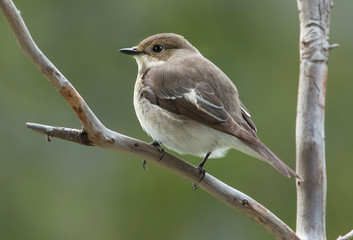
[265,154]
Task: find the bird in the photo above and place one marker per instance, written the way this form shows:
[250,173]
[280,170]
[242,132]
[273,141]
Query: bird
[186,103]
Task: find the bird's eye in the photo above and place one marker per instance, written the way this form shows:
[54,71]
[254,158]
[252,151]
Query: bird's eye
[157,48]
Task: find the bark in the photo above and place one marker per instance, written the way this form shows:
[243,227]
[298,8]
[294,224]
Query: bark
[314,16]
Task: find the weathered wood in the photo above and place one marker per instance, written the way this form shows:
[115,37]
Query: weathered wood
[314,16]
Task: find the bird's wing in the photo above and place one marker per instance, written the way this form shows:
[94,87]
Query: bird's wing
[195,100]
[247,117]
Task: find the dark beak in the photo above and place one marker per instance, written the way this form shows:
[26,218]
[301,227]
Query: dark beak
[130,51]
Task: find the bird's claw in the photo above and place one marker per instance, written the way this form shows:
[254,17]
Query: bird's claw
[144,164]
[160,149]
[202,170]
[203,173]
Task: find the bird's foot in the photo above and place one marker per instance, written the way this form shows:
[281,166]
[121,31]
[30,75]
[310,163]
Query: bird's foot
[202,170]
[160,149]
[144,164]
[203,173]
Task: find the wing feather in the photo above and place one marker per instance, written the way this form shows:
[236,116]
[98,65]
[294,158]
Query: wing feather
[197,101]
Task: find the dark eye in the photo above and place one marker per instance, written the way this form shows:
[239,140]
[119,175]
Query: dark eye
[157,48]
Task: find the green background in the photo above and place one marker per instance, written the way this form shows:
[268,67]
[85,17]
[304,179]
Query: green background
[63,190]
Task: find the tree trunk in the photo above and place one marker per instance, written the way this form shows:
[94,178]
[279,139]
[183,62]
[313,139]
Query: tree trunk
[314,16]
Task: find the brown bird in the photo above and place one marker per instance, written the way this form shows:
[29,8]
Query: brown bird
[188,104]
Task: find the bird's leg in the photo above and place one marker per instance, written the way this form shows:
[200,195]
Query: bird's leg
[202,170]
[158,146]
[160,149]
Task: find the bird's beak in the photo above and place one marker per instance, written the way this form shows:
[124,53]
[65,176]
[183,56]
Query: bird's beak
[130,51]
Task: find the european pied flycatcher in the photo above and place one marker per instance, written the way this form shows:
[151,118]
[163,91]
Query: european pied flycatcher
[188,104]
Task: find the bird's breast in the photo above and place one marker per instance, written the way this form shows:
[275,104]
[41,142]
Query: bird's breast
[176,132]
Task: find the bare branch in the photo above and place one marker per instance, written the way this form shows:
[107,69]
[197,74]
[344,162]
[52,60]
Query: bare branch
[347,236]
[95,133]
[333,46]
[234,198]
[69,134]
[314,16]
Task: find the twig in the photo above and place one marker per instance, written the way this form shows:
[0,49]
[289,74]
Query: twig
[95,133]
[347,236]
[69,134]
[314,16]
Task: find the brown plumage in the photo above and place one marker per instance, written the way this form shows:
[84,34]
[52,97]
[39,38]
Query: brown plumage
[176,84]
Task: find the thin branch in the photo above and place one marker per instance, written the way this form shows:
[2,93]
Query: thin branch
[347,236]
[95,133]
[314,16]
[69,134]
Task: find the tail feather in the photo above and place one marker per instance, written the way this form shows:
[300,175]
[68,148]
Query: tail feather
[268,156]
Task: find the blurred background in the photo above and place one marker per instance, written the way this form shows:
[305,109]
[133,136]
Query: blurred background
[61,190]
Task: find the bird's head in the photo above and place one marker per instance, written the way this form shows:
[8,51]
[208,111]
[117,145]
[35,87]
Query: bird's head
[158,49]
